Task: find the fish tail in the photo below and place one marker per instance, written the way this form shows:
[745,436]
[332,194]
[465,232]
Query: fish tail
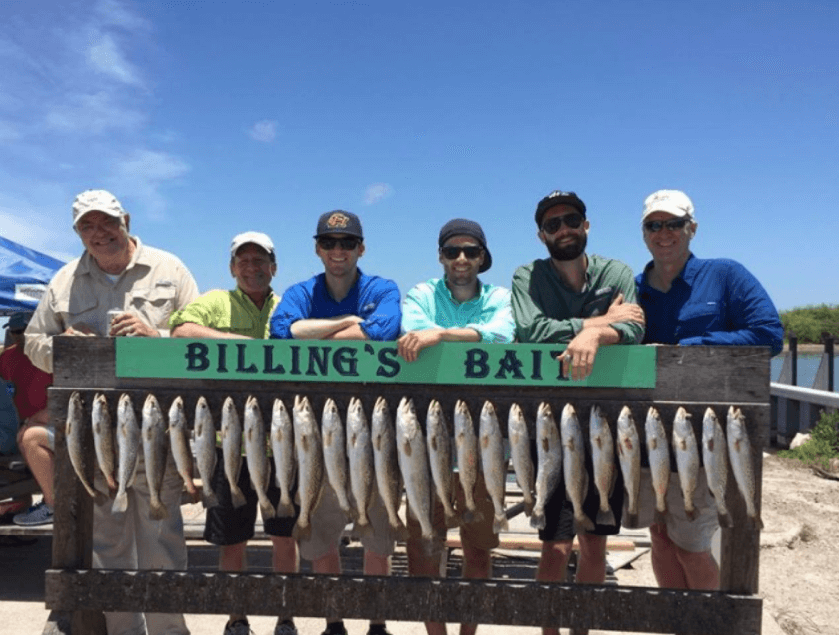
[691,513]
[631,520]
[285,509]
[660,517]
[584,522]
[112,484]
[757,523]
[120,503]
[267,510]
[500,524]
[190,486]
[238,497]
[301,532]
[537,520]
[157,510]
[528,506]
[725,520]
[606,517]
[452,519]
[362,527]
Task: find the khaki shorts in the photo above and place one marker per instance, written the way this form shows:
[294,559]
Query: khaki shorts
[691,535]
[329,521]
[478,535]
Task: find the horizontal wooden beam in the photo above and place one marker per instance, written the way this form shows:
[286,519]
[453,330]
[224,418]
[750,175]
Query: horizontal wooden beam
[635,609]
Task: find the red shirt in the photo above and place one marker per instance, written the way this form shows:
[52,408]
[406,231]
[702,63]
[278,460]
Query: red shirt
[30,383]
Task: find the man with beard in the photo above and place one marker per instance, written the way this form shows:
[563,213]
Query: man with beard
[586,301]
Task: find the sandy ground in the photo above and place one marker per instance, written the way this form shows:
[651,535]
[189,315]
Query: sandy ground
[798,568]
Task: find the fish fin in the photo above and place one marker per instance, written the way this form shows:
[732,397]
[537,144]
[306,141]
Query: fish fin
[537,521]
[157,511]
[327,438]
[485,441]
[238,497]
[692,514]
[210,499]
[710,444]
[112,484]
[377,442]
[631,521]
[452,520]
[433,442]
[301,533]
[406,448]
[757,523]
[285,510]
[528,507]
[606,517]
[267,510]
[584,522]
[652,443]
[120,503]
[725,520]
[362,529]
[500,524]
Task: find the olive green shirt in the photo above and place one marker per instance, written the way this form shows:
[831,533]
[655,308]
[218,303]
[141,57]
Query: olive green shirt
[546,310]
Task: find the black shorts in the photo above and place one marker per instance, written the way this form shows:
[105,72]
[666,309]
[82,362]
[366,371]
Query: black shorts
[559,512]
[227,525]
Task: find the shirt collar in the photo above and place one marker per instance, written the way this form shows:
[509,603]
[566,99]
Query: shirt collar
[443,285]
[244,297]
[687,274]
[88,265]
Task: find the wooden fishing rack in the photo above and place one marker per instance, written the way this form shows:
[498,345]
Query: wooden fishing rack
[692,377]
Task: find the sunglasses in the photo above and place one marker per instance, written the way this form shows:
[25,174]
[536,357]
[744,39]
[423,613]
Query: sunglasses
[672,225]
[552,225]
[17,331]
[347,244]
[453,253]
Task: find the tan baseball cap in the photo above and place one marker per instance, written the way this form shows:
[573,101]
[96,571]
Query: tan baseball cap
[96,201]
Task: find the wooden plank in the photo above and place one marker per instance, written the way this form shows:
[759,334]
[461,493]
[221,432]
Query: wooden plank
[731,374]
[371,597]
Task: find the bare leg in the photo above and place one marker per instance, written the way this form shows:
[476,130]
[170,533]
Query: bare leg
[420,565]
[33,441]
[330,562]
[375,564]
[591,568]
[677,568]
[477,565]
[552,565]
[233,558]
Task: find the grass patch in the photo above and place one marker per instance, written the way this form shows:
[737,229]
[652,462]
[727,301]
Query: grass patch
[823,444]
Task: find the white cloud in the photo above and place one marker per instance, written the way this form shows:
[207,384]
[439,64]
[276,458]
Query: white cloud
[106,57]
[93,114]
[264,131]
[377,192]
[114,13]
[142,175]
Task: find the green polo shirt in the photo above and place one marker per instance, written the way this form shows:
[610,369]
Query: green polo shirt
[228,311]
[547,311]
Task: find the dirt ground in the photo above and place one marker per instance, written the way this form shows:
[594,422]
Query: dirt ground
[799,558]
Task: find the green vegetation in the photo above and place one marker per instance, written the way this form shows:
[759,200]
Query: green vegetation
[823,444]
[809,322]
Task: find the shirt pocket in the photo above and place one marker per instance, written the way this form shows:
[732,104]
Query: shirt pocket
[81,308]
[154,304]
[699,319]
[242,324]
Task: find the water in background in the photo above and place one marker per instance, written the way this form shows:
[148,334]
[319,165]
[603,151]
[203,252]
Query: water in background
[808,365]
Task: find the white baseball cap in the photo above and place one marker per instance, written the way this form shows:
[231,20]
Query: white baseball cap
[96,201]
[669,201]
[257,238]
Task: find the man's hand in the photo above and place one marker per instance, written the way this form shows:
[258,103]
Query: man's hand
[128,325]
[580,354]
[619,311]
[412,343]
[80,329]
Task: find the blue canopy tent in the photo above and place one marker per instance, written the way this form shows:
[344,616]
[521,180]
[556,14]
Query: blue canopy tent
[24,274]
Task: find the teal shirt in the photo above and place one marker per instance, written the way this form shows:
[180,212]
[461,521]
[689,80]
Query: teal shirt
[431,305]
[547,311]
[229,312]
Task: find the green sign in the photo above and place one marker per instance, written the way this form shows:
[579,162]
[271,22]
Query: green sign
[456,363]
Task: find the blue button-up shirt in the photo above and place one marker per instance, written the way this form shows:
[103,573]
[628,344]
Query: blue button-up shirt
[711,302]
[374,299]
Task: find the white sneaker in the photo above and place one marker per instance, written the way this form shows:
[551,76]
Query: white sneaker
[40,514]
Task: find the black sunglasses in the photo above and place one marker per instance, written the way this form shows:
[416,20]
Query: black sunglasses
[347,244]
[16,331]
[672,225]
[453,253]
[552,225]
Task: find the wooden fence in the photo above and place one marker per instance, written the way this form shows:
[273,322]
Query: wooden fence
[692,377]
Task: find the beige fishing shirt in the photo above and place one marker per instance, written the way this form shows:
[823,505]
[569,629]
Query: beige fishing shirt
[154,284]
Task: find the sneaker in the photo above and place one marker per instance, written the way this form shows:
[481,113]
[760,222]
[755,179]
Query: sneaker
[286,627]
[239,627]
[40,514]
[378,629]
[335,628]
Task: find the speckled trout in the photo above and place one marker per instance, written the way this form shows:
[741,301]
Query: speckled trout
[155,453]
[715,459]
[103,440]
[740,457]
[285,465]
[687,459]
[128,447]
[256,453]
[548,462]
[520,455]
[493,464]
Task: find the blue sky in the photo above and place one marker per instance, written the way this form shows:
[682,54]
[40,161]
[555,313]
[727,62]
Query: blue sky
[207,119]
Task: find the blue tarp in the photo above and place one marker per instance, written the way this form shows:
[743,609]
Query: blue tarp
[24,274]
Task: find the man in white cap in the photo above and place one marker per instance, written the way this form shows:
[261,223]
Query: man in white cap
[692,301]
[117,271]
[242,313]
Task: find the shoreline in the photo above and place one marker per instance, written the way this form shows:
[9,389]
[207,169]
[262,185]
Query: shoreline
[806,348]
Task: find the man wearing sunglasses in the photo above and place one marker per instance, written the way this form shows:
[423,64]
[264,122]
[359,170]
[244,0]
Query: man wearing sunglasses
[456,308]
[692,301]
[342,303]
[586,301]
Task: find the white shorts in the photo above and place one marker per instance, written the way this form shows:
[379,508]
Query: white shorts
[691,535]
[328,522]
